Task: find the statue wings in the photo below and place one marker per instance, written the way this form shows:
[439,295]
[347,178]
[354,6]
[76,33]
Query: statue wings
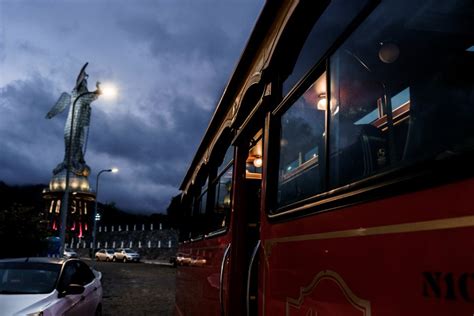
[63,101]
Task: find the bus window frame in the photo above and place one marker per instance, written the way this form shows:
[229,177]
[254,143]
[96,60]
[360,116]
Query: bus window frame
[213,183]
[276,116]
[200,211]
[205,189]
[285,102]
[339,41]
[400,179]
[194,235]
[200,190]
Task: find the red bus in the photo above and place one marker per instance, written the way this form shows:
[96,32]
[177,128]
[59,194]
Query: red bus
[336,174]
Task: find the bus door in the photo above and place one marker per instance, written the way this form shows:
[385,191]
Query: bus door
[246,227]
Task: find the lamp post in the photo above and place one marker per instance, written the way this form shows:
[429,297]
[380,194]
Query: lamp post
[65,199]
[94,230]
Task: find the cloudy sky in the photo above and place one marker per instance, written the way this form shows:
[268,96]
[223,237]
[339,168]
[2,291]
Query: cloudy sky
[170,60]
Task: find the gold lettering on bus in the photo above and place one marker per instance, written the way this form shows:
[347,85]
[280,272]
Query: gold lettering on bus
[327,292]
[311,312]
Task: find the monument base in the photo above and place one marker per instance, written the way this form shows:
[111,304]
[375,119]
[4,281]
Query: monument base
[80,219]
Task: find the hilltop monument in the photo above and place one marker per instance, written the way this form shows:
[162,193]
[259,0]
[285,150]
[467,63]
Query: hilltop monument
[76,132]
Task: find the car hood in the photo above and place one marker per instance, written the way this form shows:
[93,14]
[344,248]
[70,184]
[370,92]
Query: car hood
[21,304]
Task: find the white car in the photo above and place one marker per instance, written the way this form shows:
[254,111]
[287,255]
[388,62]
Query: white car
[70,253]
[105,255]
[49,286]
[126,255]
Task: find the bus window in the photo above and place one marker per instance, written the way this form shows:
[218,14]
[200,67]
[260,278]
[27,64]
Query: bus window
[199,222]
[329,26]
[401,89]
[302,146]
[202,203]
[228,157]
[221,210]
[222,186]
[181,206]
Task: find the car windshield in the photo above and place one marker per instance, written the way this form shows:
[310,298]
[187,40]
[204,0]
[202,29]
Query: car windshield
[28,277]
[129,251]
[68,250]
[110,251]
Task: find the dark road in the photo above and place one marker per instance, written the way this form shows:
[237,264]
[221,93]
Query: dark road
[137,288]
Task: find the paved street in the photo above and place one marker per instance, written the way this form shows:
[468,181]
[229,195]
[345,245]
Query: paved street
[137,288]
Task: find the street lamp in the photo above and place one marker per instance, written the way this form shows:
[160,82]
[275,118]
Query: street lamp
[94,230]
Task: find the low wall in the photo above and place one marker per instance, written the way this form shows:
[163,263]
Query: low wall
[145,253]
[151,244]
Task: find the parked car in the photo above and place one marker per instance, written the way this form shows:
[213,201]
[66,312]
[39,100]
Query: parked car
[49,286]
[125,255]
[104,255]
[70,253]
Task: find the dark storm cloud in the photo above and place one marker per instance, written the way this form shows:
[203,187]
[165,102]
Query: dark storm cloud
[2,52]
[184,42]
[27,47]
[217,41]
[165,151]
[156,141]
[29,142]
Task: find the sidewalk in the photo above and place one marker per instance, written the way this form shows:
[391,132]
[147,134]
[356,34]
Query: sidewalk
[146,261]
[159,262]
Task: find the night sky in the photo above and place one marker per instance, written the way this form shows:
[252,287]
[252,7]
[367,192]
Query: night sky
[170,61]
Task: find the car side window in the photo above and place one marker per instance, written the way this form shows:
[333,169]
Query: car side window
[67,275]
[84,274]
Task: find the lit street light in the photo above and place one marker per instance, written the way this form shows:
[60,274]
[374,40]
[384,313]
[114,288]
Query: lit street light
[94,230]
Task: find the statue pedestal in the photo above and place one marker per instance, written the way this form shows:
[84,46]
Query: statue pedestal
[80,221]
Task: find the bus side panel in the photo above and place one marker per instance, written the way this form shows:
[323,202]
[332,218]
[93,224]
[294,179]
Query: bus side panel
[406,255]
[198,277]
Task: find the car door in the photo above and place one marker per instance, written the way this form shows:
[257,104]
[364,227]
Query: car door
[76,272]
[68,305]
[92,289]
[118,254]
